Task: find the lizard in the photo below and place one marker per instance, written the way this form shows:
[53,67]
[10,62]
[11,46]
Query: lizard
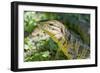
[56,31]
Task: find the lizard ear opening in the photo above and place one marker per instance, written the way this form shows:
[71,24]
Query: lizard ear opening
[62,30]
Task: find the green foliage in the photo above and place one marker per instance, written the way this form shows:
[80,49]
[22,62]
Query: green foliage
[46,50]
[27,44]
[38,56]
[29,22]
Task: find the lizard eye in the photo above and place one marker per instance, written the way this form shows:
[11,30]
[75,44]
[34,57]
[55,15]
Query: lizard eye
[51,24]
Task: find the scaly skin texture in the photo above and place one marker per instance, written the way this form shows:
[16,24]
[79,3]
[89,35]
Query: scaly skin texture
[56,31]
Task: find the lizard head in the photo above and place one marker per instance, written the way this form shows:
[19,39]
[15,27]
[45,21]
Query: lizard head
[54,26]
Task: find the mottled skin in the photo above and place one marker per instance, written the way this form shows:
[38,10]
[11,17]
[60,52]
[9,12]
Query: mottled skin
[56,31]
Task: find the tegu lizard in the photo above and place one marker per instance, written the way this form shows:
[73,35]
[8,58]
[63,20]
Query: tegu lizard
[56,31]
